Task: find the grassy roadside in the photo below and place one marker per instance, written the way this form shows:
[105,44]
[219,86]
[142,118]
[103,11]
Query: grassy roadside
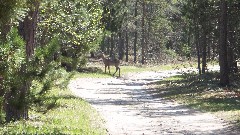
[67,114]
[61,113]
[202,92]
[97,70]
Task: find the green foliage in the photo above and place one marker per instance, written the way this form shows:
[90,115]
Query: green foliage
[16,70]
[67,115]
[113,15]
[11,11]
[79,25]
[186,50]
[12,55]
[41,100]
[80,28]
[13,65]
[170,53]
[46,70]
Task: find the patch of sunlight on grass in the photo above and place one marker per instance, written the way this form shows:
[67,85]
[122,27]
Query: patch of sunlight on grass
[202,92]
[98,70]
[230,116]
[174,78]
[71,115]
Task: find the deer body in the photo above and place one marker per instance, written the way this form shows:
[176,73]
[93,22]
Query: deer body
[111,62]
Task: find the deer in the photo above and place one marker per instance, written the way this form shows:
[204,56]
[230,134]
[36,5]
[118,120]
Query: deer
[110,62]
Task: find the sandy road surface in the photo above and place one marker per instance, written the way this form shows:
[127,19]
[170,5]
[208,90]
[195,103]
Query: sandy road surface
[129,109]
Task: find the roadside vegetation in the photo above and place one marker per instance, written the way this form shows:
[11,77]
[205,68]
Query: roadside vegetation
[60,112]
[57,111]
[203,92]
[97,69]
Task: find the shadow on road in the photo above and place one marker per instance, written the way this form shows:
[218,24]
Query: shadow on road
[131,107]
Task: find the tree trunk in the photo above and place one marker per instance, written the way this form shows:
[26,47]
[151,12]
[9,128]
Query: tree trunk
[135,34]
[224,74]
[189,42]
[197,46]
[135,47]
[19,110]
[108,45]
[127,46]
[4,31]
[121,46]
[204,38]
[143,32]
[198,54]
[1,98]
[111,45]
[204,50]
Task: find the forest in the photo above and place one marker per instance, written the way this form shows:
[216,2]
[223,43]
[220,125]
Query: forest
[41,38]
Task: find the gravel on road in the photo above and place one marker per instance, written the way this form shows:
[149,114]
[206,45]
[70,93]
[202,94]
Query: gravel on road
[129,109]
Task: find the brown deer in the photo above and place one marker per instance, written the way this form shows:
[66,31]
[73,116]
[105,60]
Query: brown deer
[110,62]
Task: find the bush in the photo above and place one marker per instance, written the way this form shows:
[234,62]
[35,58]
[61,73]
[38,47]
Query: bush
[13,70]
[18,72]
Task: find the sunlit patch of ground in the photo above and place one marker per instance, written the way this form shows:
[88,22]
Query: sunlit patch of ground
[138,104]
[202,92]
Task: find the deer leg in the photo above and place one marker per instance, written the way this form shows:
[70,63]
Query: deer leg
[109,69]
[117,68]
[119,71]
[105,68]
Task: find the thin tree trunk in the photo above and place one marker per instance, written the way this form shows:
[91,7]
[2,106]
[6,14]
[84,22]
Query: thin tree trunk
[125,33]
[127,45]
[108,45]
[209,54]
[189,42]
[121,46]
[1,98]
[135,47]
[197,47]
[198,54]
[143,32]
[112,45]
[135,34]
[196,34]
[204,51]
[204,41]
[224,74]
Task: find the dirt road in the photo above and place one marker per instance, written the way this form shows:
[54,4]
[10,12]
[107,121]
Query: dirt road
[129,109]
